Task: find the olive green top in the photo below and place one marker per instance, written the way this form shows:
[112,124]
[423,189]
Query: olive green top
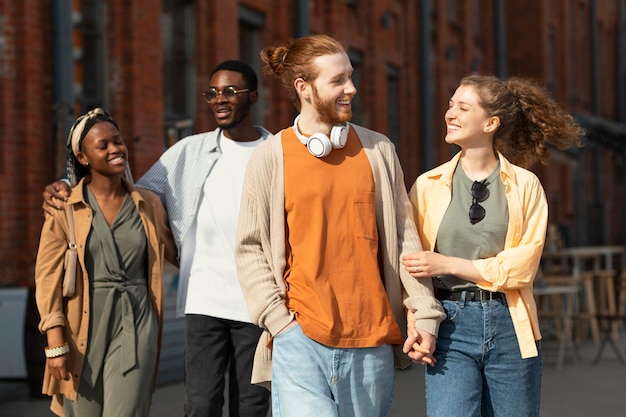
[458,237]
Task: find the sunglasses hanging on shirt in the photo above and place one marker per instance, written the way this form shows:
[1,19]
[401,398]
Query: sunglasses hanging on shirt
[480,193]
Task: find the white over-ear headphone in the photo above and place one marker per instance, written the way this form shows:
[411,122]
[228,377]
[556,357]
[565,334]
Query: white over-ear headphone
[319,144]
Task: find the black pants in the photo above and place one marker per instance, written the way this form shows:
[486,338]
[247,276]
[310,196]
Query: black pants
[214,346]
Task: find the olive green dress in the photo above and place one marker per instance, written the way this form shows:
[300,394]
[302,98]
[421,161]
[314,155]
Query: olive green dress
[120,363]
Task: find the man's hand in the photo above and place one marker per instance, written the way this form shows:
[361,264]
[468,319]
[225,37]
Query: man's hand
[53,194]
[419,345]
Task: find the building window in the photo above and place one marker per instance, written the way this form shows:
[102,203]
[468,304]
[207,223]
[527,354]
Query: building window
[571,58]
[551,59]
[251,23]
[584,71]
[392,105]
[476,18]
[177,28]
[452,16]
[89,62]
[356,58]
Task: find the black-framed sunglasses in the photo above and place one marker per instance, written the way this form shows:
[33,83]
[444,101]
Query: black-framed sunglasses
[228,93]
[480,193]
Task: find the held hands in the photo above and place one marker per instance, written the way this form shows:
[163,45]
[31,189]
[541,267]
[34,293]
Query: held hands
[53,194]
[419,345]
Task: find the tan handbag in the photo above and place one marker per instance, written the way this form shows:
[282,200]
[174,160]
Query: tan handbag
[71,257]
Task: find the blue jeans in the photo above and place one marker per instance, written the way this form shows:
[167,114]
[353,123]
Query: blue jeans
[480,370]
[313,380]
[213,348]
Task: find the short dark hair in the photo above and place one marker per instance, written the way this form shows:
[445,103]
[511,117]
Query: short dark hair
[241,67]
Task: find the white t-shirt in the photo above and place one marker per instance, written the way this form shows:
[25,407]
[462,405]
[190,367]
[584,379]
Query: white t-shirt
[213,285]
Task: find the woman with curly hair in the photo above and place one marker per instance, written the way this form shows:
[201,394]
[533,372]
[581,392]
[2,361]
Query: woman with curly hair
[482,220]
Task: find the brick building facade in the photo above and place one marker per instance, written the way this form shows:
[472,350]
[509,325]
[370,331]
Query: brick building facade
[147,61]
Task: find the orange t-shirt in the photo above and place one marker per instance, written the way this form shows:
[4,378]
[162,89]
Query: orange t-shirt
[333,278]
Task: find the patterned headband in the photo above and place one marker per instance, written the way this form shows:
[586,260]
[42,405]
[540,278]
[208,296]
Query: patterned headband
[73,144]
[77,131]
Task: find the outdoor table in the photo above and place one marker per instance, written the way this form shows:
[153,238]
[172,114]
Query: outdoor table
[587,264]
[563,311]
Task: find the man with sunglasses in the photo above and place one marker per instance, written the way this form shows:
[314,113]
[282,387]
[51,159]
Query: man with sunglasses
[199,180]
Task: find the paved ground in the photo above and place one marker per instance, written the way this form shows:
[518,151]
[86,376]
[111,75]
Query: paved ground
[579,389]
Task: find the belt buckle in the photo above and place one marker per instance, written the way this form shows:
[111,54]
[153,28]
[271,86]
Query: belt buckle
[488,298]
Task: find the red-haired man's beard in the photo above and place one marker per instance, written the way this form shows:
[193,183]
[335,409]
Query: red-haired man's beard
[328,112]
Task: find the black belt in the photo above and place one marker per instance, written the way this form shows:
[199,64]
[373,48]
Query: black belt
[470,295]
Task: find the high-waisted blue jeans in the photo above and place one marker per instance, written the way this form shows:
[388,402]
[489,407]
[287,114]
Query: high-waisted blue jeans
[479,370]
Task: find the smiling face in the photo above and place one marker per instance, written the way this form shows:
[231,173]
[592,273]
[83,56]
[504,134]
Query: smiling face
[467,124]
[104,150]
[333,90]
[230,112]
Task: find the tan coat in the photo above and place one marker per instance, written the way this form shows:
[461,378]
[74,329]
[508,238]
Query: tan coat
[74,313]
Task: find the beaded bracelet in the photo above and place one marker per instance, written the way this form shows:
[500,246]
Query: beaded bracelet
[57,351]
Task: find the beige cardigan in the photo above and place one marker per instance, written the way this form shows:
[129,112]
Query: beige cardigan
[260,247]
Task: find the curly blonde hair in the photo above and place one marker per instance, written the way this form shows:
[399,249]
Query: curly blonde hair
[529,118]
[295,60]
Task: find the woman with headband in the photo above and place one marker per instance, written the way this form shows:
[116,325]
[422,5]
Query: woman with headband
[104,340]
